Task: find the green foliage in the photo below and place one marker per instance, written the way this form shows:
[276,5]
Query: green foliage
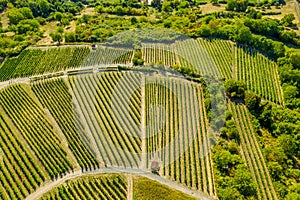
[235,88]
[60,106]
[229,193]
[58,35]
[237,5]
[166,6]
[214,2]
[244,182]
[252,101]
[224,160]
[288,19]
[58,16]
[137,58]
[290,91]
[275,169]
[15,15]
[70,37]
[37,61]
[27,25]
[230,131]
[295,59]
[243,35]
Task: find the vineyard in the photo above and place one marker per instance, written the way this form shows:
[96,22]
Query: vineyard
[113,124]
[55,96]
[251,152]
[51,127]
[221,52]
[217,58]
[38,61]
[36,129]
[111,187]
[20,173]
[259,73]
[108,55]
[221,59]
[177,132]
[159,54]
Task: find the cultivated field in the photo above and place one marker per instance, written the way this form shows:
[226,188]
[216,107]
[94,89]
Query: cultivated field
[251,151]
[138,120]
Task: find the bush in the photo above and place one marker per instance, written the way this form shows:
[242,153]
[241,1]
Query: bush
[235,88]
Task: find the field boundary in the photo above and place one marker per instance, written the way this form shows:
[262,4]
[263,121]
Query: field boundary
[44,189]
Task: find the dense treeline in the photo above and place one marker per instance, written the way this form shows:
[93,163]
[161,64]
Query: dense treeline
[184,16]
[26,17]
[278,129]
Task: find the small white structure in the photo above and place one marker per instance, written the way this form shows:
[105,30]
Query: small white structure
[94,46]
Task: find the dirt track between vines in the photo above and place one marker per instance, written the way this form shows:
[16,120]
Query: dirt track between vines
[44,189]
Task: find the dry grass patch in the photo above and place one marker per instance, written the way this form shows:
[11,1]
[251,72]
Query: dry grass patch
[209,8]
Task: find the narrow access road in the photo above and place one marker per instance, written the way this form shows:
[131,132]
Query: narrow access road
[44,189]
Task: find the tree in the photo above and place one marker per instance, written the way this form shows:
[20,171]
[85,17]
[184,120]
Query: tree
[237,5]
[40,8]
[58,35]
[137,58]
[205,31]
[290,91]
[28,25]
[133,20]
[214,2]
[70,37]
[243,35]
[235,88]
[183,5]
[231,5]
[119,10]
[278,49]
[287,143]
[244,182]
[224,160]
[252,101]
[229,193]
[293,196]
[58,16]
[156,3]
[166,6]
[241,5]
[295,59]
[275,169]
[15,15]
[99,9]
[288,19]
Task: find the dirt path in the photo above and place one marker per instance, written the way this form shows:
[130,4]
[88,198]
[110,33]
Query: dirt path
[297,11]
[130,188]
[143,126]
[44,189]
